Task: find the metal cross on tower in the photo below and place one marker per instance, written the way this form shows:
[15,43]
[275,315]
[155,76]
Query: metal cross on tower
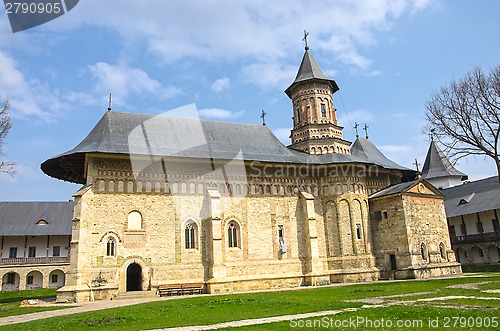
[356,126]
[263,116]
[109,103]
[305,39]
[366,130]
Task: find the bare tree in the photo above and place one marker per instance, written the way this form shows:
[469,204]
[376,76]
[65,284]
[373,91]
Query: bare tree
[5,125]
[465,116]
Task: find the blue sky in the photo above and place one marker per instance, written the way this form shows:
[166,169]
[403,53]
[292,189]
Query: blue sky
[233,59]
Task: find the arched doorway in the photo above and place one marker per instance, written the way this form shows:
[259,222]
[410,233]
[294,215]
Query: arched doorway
[477,255]
[34,279]
[494,254]
[10,281]
[134,277]
[461,256]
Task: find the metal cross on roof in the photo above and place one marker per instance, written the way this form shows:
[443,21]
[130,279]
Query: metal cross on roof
[305,39]
[366,130]
[356,126]
[109,103]
[263,116]
[431,134]
[416,164]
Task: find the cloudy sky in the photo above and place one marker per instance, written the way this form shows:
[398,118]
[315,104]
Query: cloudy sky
[234,59]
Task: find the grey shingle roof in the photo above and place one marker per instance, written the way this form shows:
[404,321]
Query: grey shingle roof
[366,150]
[309,70]
[395,189]
[480,195]
[139,134]
[400,188]
[20,218]
[438,165]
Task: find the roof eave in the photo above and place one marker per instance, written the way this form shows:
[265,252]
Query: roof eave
[332,82]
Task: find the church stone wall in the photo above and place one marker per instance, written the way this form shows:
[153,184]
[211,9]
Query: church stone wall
[412,227]
[426,224]
[390,236]
[327,235]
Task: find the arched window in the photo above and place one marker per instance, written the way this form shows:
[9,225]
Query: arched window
[134,221]
[233,237]
[423,251]
[442,251]
[111,247]
[190,235]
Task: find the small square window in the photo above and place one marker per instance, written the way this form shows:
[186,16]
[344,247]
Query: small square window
[12,252]
[53,278]
[385,215]
[56,251]
[31,251]
[29,280]
[495,224]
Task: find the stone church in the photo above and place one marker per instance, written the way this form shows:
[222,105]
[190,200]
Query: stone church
[169,200]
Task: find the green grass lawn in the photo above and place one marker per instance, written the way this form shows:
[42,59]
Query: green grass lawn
[10,301]
[222,308]
[415,318]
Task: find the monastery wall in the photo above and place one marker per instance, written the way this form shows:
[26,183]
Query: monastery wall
[327,235]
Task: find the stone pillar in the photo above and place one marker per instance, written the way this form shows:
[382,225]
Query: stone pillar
[73,276]
[22,279]
[314,276]
[215,253]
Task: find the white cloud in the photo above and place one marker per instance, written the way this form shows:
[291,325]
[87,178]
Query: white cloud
[266,35]
[217,113]
[27,172]
[27,96]
[81,98]
[122,81]
[220,84]
[260,29]
[266,74]
[283,134]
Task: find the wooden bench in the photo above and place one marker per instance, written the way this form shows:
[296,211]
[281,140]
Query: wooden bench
[192,288]
[169,289]
[180,289]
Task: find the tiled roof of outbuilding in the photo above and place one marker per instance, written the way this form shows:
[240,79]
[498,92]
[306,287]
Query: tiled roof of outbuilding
[473,197]
[21,218]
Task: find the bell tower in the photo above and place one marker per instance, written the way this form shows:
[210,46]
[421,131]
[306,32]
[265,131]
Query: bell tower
[315,127]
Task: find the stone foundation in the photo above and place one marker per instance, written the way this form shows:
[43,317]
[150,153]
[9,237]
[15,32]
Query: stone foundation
[85,293]
[429,271]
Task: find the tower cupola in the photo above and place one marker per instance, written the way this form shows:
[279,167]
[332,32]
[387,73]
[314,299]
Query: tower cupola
[315,127]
